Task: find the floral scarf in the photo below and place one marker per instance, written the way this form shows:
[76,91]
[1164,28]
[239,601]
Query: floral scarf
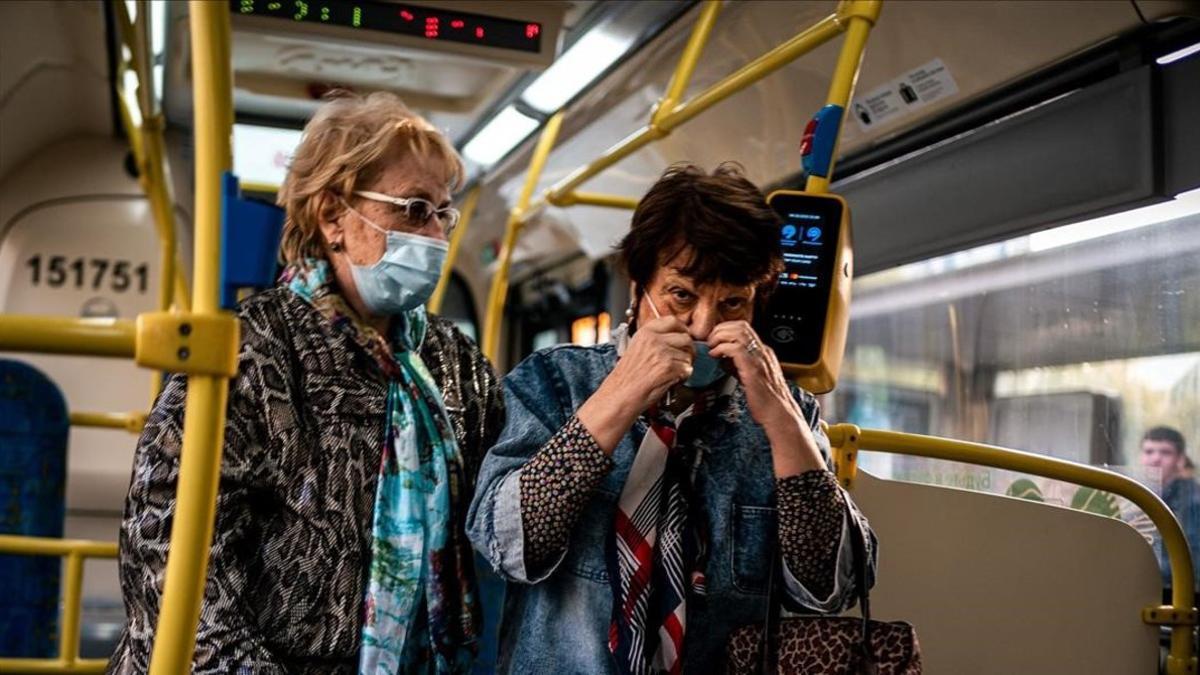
[421,611]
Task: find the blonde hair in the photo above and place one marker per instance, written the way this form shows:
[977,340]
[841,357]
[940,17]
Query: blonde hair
[344,147]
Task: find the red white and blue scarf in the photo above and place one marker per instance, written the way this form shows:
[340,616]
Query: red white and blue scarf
[658,549]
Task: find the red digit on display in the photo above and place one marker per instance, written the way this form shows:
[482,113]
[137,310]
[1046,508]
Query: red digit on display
[479,32]
[457,23]
[406,15]
[532,30]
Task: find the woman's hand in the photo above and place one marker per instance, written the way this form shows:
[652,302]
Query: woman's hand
[658,357]
[768,397]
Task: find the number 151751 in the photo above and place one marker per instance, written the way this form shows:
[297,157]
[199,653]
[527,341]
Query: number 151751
[94,273]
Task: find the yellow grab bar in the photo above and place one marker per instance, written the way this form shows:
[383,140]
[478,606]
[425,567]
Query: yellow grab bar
[131,422]
[468,210]
[859,18]
[597,199]
[204,416]
[74,550]
[258,186]
[846,437]
[61,335]
[499,288]
[667,120]
[682,77]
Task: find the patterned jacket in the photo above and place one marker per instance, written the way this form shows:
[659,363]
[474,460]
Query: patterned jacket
[293,527]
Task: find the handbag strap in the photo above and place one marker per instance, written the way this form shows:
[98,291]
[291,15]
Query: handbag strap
[770,640]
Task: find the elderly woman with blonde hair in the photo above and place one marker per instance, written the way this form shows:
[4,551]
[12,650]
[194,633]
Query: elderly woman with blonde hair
[356,424]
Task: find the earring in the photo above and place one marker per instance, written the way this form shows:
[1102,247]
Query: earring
[336,247]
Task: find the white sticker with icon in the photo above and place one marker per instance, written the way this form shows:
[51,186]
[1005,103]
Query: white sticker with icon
[900,97]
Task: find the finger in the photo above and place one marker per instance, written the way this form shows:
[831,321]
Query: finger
[680,370]
[723,332]
[724,350]
[733,331]
[745,365]
[678,341]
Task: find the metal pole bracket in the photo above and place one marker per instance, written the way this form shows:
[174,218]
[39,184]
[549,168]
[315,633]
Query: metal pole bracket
[1166,615]
[863,9]
[843,439]
[197,344]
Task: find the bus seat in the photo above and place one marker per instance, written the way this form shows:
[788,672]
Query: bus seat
[997,585]
[33,461]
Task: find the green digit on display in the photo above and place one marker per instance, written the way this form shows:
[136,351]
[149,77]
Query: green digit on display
[357,17]
[301,10]
[247,6]
[324,13]
[274,5]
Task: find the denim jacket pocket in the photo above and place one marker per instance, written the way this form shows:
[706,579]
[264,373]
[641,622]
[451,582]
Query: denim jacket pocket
[587,556]
[752,547]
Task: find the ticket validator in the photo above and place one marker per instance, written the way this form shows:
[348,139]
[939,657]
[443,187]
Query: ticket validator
[806,318]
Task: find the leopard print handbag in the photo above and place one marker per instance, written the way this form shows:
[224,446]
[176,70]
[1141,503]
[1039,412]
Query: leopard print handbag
[825,645]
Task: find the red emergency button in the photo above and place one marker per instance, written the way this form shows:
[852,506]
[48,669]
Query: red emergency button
[807,141]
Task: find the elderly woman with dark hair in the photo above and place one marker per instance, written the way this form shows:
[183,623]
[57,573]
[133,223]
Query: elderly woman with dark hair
[640,491]
[356,423]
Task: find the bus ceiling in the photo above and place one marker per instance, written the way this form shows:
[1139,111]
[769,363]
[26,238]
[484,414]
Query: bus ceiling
[453,62]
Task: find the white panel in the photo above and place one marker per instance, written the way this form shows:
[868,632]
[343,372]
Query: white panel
[996,585]
[74,200]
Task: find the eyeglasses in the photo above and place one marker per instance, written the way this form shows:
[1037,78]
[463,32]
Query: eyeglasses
[416,211]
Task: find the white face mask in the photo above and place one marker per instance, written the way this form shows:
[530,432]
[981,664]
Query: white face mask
[705,369]
[405,275]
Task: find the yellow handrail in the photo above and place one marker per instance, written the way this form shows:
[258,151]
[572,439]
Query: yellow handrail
[859,18]
[259,186]
[63,335]
[499,288]
[148,146]
[74,550]
[682,77]
[598,199]
[468,210]
[131,422]
[204,416]
[854,16]
[847,438]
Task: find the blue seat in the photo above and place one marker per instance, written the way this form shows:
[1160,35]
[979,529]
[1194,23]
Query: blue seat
[33,476]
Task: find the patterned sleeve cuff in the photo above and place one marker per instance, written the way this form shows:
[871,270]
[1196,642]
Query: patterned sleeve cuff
[812,511]
[554,489]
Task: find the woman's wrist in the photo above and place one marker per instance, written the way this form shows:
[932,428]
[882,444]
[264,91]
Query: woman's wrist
[609,413]
[793,449]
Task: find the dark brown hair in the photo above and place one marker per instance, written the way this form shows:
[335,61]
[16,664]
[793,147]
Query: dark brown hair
[722,218]
[1168,435]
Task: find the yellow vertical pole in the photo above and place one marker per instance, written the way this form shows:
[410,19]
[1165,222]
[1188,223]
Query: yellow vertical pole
[687,61]
[516,220]
[68,639]
[204,416]
[150,155]
[468,210]
[860,16]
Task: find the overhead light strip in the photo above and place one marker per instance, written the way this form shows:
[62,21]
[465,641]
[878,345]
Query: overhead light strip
[576,69]
[1178,55]
[498,137]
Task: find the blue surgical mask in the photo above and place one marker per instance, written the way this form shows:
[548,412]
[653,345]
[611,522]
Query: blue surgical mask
[705,369]
[405,276]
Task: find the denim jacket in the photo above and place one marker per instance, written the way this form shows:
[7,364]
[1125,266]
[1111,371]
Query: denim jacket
[558,620]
